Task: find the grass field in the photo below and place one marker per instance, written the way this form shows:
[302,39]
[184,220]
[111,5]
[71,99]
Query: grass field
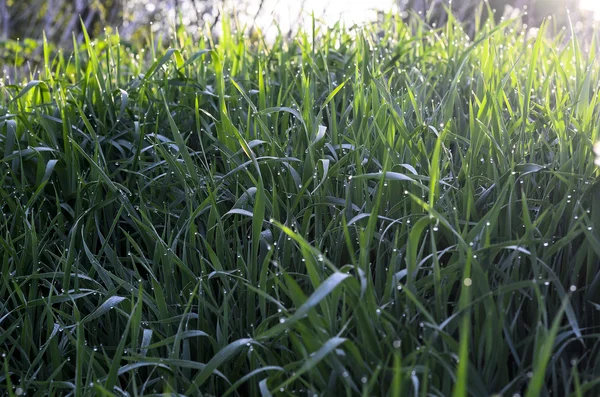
[388,211]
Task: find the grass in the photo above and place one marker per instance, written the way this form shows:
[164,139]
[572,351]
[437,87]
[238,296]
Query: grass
[387,211]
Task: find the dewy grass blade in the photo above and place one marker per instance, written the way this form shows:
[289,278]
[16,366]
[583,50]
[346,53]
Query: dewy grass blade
[218,359]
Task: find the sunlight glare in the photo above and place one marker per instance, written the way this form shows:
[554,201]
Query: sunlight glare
[591,5]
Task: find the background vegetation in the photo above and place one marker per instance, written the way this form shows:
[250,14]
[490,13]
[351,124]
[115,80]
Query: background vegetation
[394,210]
[60,18]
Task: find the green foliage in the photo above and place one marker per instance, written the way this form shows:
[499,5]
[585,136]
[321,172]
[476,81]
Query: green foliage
[384,211]
[58,19]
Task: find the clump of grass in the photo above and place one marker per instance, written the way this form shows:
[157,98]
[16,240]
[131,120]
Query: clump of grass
[392,210]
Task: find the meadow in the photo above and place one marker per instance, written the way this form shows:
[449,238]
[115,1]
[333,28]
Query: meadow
[392,210]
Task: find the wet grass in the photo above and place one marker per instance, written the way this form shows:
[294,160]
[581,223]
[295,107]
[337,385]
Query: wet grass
[395,210]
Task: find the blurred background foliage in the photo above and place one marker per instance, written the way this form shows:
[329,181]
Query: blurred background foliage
[560,13]
[23,23]
[536,10]
[60,19]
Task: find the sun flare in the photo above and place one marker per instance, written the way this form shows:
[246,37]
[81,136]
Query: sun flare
[591,5]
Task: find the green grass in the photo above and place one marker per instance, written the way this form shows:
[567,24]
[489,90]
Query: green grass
[387,211]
